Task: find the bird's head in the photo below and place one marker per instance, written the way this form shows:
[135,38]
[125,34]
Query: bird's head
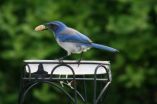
[54,26]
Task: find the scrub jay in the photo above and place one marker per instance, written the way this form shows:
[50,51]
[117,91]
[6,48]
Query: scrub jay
[70,39]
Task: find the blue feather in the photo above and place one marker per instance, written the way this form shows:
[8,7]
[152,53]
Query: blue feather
[103,47]
[71,35]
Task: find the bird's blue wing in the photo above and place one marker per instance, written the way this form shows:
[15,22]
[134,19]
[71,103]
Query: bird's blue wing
[71,35]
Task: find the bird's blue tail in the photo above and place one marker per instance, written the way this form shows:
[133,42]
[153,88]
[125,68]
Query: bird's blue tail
[103,47]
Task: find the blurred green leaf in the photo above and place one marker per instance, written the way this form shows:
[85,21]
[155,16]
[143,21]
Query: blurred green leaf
[44,94]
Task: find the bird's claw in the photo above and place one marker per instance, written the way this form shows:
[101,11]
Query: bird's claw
[60,60]
[79,61]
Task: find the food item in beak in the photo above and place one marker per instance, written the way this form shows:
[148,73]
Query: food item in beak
[40,28]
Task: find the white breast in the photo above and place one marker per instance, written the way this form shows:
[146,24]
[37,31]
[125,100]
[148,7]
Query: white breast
[71,47]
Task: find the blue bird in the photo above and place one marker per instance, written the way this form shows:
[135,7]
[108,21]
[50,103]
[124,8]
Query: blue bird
[70,39]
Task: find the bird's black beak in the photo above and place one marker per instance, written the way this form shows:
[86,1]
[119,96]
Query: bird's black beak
[40,28]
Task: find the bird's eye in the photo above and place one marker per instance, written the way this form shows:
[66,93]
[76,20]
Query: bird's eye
[52,26]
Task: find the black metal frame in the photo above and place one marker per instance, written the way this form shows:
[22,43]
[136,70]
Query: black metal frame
[29,80]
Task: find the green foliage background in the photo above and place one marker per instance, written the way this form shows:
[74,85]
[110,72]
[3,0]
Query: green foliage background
[128,25]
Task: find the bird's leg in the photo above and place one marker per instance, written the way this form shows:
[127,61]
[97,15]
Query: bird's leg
[61,59]
[80,59]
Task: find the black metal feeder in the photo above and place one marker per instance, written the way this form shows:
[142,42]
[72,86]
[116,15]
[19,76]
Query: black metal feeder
[57,74]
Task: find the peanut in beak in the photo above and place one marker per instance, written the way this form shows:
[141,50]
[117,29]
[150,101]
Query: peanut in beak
[40,28]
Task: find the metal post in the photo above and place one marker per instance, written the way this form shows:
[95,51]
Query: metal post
[29,80]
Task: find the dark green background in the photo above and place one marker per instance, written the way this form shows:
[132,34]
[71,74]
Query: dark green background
[128,25]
